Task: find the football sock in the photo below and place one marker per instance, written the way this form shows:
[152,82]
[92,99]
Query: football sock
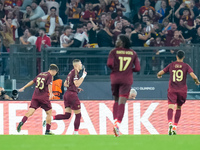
[177,117]
[48,126]
[24,119]
[170,114]
[115,108]
[61,116]
[77,122]
[120,112]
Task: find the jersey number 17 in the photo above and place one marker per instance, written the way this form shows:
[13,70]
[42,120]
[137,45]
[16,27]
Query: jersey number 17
[123,67]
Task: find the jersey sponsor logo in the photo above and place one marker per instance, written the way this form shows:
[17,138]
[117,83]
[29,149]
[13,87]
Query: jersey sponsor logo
[140,117]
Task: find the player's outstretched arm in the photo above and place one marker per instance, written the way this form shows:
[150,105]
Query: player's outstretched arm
[80,81]
[27,85]
[194,77]
[160,73]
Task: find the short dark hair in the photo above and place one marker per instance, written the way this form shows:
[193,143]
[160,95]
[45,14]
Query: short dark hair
[32,31]
[180,54]
[36,1]
[136,25]
[75,61]
[53,67]
[28,6]
[43,29]
[125,41]
[53,8]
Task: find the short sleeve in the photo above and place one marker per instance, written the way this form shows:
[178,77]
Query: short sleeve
[34,80]
[189,69]
[166,69]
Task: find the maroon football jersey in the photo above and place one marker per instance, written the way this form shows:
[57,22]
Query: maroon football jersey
[122,61]
[72,76]
[178,74]
[41,85]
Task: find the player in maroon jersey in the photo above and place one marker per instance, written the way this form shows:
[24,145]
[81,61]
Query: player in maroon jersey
[41,96]
[177,91]
[71,100]
[123,61]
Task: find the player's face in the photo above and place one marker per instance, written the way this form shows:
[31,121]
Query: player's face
[80,66]
[132,96]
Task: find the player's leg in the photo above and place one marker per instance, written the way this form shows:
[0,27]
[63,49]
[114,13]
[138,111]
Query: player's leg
[67,114]
[115,93]
[170,116]
[172,100]
[48,122]
[176,119]
[115,108]
[121,107]
[68,110]
[25,118]
[181,98]
[77,120]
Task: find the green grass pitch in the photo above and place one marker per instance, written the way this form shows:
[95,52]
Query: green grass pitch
[99,142]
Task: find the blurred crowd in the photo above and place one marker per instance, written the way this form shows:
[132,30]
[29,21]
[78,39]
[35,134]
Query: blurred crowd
[97,23]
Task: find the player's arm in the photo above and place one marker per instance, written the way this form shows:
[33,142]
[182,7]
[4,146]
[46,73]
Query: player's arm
[160,73]
[77,83]
[110,61]
[27,85]
[137,65]
[194,77]
[50,91]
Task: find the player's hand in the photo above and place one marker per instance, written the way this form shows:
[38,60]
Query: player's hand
[21,90]
[80,89]
[197,83]
[51,96]
[84,73]
[159,76]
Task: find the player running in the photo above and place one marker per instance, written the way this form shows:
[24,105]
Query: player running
[41,96]
[121,61]
[177,91]
[71,100]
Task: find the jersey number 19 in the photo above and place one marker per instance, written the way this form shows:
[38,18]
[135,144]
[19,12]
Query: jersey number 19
[177,75]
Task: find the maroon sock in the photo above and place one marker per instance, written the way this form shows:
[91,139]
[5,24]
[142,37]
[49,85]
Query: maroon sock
[61,116]
[120,112]
[48,126]
[115,108]
[177,116]
[77,121]
[170,114]
[24,119]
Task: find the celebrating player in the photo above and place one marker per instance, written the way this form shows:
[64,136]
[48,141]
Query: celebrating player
[121,61]
[177,91]
[41,96]
[71,100]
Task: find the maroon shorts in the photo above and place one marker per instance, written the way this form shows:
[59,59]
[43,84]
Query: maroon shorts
[44,104]
[121,90]
[71,100]
[178,98]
